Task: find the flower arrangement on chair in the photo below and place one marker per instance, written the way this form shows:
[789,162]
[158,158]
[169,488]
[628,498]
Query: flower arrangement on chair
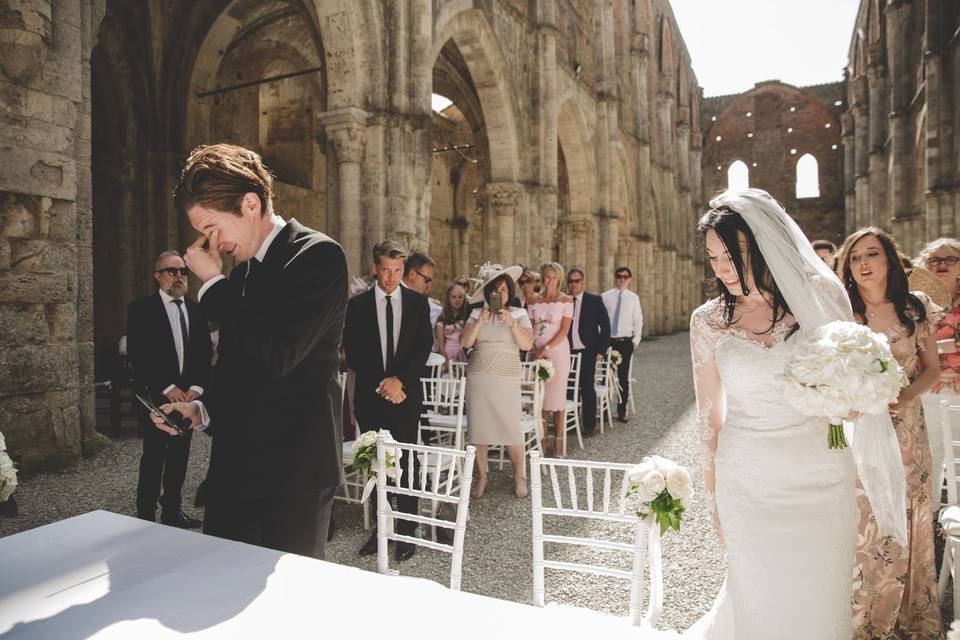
[8,481]
[663,486]
[545,369]
[365,454]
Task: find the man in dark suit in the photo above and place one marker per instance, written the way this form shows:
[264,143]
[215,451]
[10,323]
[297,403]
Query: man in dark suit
[275,400]
[387,338]
[169,348]
[589,336]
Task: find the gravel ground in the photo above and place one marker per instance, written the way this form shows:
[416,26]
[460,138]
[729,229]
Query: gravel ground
[498,554]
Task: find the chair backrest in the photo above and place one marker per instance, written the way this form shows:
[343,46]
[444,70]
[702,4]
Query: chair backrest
[457,369]
[531,394]
[427,487]
[443,411]
[605,371]
[950,421]
[573,381]
[603,501]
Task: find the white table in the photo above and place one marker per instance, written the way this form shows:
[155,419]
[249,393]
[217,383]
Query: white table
[103,575]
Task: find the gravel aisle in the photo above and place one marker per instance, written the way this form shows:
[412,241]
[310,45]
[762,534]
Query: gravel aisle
[498,554]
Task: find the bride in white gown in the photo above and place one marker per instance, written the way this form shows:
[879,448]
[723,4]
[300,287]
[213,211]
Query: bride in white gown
[783,503]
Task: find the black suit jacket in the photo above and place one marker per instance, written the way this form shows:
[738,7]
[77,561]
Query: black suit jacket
[153,354]
[594,324]
[361,342]
[275,401]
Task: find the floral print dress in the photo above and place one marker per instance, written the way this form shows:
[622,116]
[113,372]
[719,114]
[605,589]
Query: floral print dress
[895,588]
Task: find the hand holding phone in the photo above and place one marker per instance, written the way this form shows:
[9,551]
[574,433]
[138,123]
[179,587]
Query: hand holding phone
[495,303]
[174,419]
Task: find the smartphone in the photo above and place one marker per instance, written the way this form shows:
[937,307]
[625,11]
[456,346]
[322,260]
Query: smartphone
[495,303]
[174,419]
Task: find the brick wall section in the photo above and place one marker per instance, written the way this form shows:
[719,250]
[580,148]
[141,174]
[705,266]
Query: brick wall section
[782,118]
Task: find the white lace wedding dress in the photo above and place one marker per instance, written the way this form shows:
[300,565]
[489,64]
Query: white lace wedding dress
[786,503]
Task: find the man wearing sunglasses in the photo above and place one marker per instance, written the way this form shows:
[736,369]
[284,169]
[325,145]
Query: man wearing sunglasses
[418,271]
[169,348]
[626,329]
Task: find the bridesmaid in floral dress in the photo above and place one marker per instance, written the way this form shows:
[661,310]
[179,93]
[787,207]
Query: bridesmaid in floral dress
[450,325]
[895,588]
[551,314]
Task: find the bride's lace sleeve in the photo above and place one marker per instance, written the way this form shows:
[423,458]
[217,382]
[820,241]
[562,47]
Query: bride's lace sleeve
[705,328]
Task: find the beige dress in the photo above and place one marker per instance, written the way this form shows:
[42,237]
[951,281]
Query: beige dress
[895,588]
[493,383]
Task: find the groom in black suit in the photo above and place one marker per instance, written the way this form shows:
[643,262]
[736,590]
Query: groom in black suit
[387,338]
[275,399]
[169,349]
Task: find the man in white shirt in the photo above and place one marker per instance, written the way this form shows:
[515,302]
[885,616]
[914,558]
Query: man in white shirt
[626,329]
[169,350]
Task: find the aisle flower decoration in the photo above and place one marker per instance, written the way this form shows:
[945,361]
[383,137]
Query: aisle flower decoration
[839,369]
[8,473]
[545,369]
[615,358]
[365,455]
[954,632]
[663,487]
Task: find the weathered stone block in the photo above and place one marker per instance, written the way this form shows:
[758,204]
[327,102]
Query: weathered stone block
[62,322]
[37,430]
[38,368]
[62,220]
[37,172]
[23,324]
[18,215]
[42,256]
[37,287]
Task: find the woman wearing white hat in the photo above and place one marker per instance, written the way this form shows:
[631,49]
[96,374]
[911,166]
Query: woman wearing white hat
[497,333]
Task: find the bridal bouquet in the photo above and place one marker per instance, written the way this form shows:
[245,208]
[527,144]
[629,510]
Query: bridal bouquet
[545,369]
[365,454]
[8,473]
[839,368]
[663,486]
[615,358]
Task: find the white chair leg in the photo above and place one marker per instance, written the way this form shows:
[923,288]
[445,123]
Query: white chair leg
[946,570]
[954,546]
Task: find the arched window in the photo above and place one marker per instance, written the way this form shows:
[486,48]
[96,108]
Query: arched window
[738,176]
[808,177]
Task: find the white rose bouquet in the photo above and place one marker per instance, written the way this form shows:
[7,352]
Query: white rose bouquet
[615,358]
[545,369]
[842,368]
[8,472]
[663,486]
[954,632]
[365,454]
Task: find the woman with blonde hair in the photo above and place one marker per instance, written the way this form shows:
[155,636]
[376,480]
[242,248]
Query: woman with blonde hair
[450,325]
[551,313]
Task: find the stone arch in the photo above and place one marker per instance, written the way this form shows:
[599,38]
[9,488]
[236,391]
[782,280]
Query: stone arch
[808,177]
[665,58]
[574,138]
[471,33]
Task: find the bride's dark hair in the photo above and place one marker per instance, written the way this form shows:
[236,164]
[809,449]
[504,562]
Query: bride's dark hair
[728,224]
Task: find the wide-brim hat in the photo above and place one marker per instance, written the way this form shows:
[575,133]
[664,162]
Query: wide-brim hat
[487,274]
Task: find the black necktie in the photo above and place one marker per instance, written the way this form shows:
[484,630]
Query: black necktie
[251,271]
[184,334]
[388,366]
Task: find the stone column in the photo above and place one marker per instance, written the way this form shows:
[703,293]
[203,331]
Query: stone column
[502,200]
[345,129]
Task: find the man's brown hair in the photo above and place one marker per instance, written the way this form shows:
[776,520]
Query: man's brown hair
[216,176]
[390,249]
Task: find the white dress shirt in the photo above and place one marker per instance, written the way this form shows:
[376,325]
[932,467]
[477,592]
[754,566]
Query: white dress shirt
[575,327]
[170,306]
[631,315]
[396,303]
[278,224]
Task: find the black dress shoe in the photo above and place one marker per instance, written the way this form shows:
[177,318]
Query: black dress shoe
[622,419]
[180,520]
[404,551]
[588,434]
[370,546]
[149,517]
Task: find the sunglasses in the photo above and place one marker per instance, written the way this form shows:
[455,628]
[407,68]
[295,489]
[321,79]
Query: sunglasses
[623,276]
[174,271]
[425,278]
[949,261]
[571,281]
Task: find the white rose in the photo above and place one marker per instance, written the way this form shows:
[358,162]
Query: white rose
[679,484]
[653,483]
[3,443]
[639,472]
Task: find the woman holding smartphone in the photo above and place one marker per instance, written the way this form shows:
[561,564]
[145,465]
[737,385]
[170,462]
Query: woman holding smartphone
[497,333]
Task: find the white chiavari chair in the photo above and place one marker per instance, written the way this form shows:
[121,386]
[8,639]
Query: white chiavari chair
[457,369]
[573,401]
[602,498]
[351,482]
[445,418]
[603,377]
[531,409]
[950,514]
[431,489]
[631,407]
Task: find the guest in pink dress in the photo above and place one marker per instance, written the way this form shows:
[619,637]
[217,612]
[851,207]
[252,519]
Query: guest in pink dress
[551,313]
[450,325]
